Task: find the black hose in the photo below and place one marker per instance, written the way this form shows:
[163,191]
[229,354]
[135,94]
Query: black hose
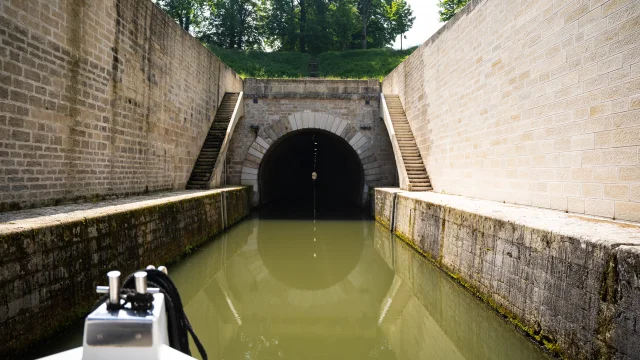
[178,324]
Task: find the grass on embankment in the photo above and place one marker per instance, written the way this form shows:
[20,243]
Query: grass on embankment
[258,64]
[352,64]
[361,64]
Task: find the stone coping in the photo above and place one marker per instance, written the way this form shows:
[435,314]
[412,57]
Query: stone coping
[584,227]
[14,221]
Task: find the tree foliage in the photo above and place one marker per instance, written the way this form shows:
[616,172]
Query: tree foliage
[401,17]
[188,13]
[449,8]
[233,24]
[312,26]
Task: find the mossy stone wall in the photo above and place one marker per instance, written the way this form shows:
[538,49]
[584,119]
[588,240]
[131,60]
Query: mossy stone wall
[48,275]
[577,295]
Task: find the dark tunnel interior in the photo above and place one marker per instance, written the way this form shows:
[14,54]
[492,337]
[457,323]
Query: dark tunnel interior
[286,182]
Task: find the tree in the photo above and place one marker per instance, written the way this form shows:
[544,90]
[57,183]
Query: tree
[188,13]
[364,8]
[343,16]
[450,8]
[281,28]
[401,17]
[292,25]
[234,24]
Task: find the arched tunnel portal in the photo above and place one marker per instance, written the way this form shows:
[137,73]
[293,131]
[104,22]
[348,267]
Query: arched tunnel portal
[285,174]
[280,162]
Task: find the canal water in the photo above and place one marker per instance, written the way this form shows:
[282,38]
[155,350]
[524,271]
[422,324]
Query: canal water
[329,289]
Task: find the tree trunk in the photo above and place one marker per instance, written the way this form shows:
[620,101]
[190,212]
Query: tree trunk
[187,22]
[303,26]
[364,33]
[365,19]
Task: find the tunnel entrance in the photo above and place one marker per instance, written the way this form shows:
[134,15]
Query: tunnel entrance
[285,176]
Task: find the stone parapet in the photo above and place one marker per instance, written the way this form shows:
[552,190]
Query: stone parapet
[320,89]
[51,259]
[569,281]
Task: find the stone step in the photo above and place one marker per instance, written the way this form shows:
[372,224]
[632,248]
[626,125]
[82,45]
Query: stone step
[419,188]
[418,179]
[201,170]
[210,150]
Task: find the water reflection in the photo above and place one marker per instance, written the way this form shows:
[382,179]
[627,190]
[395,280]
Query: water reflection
[364,295]
[259,292]
[427,315]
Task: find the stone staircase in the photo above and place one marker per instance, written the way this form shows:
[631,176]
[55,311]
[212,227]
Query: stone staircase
[416,171]
[203,169]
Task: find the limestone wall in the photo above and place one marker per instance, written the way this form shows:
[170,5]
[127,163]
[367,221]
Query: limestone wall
[531,102]
[100,99]
[347,108]
[53,258]
[567,280]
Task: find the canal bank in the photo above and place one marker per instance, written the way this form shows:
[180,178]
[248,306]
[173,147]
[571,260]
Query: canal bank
[569,281]
[51,259]
[291,288]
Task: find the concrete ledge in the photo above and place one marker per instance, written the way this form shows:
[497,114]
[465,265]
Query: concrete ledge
[51,259]
[317,89]
[569,281]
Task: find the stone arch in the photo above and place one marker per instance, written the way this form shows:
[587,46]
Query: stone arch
[309,120]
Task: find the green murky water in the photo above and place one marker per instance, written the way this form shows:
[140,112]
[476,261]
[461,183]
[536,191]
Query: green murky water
[283,289]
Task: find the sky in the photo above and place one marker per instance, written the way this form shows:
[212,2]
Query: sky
[427,22]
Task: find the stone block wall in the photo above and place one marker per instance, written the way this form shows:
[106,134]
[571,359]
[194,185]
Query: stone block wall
[52,265]
[531,102]
[452,324]
[348,105]
[100,99]
[567,280]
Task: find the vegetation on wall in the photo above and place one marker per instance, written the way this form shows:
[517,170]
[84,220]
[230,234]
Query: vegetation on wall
[259,64]
[354,64]
[361,64]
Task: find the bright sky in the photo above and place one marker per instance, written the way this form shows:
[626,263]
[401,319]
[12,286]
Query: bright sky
[427,22]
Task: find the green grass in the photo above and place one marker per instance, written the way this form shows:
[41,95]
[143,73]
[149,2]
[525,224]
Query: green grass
[353,64]
[361,64]
[259,64]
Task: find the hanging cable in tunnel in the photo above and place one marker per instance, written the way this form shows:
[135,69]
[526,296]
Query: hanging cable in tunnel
[314,175]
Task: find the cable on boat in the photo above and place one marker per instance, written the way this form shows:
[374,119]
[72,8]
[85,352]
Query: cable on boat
[178,324]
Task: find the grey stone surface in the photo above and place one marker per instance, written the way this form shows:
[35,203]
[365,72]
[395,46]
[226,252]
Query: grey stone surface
[531,102]
[334,106]
[569,280]
[51,259]
[108,99]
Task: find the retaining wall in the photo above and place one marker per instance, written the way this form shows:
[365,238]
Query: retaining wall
[569,281]
[100,99]
[531,102]
[349,109]
[51,259]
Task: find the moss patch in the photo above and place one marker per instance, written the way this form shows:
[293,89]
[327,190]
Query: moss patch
[545,340]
